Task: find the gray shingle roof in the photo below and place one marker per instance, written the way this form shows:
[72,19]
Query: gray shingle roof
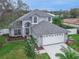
[35,12]
[45,28]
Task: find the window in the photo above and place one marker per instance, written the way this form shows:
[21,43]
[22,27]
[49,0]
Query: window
[49,18]
[35,19]
[27,31]
[30,18]
[27,24]
[17,32]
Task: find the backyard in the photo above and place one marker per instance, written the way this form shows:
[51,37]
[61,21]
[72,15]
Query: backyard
[15,50]
[75,39]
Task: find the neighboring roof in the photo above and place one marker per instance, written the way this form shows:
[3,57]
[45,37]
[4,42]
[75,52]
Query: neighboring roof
[45,28]
[34,12]
[72,21]
[51,14]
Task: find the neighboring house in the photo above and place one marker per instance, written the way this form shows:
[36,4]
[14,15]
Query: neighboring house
[38,24]
[73,22]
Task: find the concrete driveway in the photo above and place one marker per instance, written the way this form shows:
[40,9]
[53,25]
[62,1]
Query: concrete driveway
[53,49]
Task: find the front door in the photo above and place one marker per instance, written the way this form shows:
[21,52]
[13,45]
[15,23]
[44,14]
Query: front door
[27,31]
[27,28]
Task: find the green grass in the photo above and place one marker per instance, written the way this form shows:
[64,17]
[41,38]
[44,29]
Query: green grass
[15,50]
[10,46]
[75,37]
[43,56]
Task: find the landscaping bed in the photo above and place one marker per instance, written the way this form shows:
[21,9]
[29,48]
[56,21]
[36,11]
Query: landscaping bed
[75,39]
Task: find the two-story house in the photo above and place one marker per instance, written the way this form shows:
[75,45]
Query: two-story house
[38,24]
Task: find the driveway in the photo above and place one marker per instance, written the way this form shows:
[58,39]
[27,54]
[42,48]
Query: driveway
[53,49]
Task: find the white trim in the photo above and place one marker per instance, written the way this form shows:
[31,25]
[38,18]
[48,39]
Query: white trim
[23,27]
[23,23]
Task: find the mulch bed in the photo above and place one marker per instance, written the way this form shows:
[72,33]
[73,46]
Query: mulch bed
[16,38]
[70,42]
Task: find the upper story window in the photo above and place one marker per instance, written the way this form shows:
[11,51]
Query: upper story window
[35,19]
[27,24]
[30,17]
[49,18]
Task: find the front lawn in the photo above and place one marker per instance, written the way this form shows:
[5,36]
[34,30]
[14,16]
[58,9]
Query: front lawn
[75,45]
[74,36]
[15,50]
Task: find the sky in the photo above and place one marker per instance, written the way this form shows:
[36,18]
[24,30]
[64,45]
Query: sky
[52,4]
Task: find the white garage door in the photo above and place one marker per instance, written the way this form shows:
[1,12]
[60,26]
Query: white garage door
[53,39]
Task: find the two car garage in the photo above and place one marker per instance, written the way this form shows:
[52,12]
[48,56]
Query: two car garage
[53,39]
[47,33]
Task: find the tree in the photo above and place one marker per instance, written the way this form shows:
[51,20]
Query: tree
[30,48]
[66,14]
[68,53]
[5,6]
[58,20]
[74,12]
[21,6]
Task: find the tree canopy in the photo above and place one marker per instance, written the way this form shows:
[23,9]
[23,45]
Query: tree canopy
[58,20]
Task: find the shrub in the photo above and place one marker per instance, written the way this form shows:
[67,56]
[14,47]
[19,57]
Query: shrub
[2,40]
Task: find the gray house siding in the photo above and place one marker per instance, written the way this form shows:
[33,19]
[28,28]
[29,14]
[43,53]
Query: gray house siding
[44,19]
[39,19]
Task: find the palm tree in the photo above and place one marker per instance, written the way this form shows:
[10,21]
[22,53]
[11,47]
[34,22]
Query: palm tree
[68,53]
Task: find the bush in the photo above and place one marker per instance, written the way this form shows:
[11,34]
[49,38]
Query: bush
[2,40]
